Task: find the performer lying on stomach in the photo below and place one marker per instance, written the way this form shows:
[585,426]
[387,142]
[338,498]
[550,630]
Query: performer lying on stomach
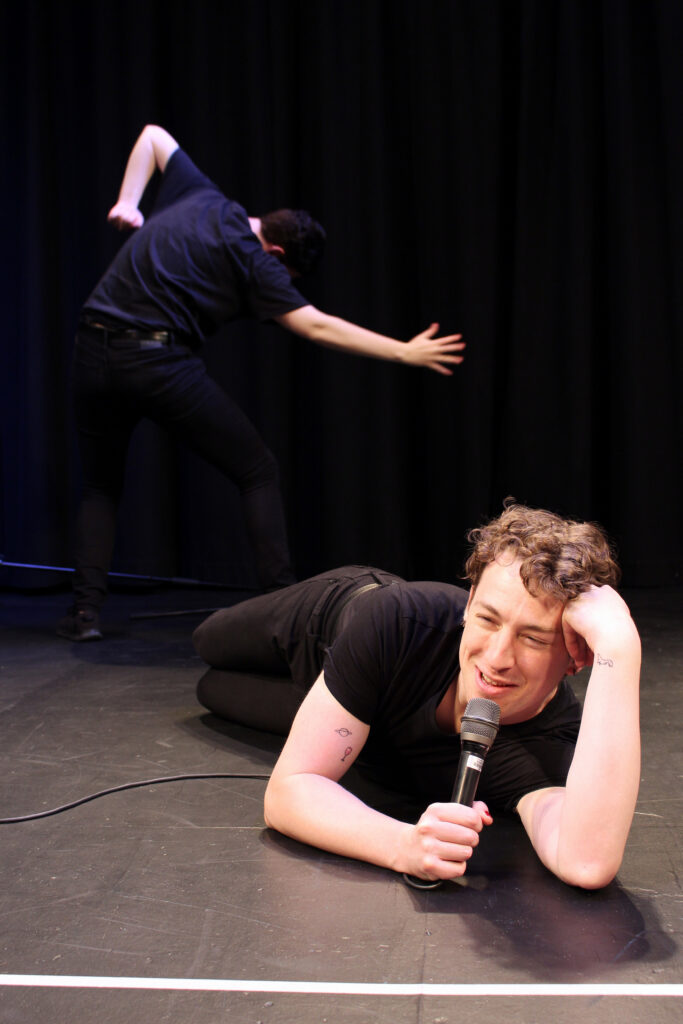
[383,669]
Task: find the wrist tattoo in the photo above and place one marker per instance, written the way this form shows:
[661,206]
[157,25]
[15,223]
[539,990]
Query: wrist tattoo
[604,661]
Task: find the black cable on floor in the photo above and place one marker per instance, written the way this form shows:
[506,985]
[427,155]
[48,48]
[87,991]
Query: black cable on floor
[129,785]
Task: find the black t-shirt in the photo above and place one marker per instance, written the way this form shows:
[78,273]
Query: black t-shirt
[194,265]
[392,665]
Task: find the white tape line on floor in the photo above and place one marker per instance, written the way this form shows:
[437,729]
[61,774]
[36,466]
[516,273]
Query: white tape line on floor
[339,988]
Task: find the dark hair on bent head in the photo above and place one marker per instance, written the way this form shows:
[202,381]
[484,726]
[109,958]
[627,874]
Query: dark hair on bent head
[302,238]
[558,556]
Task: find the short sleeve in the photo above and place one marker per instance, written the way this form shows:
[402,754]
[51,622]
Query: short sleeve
[270,291]
[354,664]
[181,176]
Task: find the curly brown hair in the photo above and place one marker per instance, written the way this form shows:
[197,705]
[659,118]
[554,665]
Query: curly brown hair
[558,556]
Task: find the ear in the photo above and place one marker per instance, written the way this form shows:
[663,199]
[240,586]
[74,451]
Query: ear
[274,250]
[467,606]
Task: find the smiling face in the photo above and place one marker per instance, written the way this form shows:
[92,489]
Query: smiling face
[512,649]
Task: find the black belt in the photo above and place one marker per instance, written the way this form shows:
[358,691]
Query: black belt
[147,339]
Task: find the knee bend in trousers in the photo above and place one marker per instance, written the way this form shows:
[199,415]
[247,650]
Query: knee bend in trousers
[257,701]
[263,472]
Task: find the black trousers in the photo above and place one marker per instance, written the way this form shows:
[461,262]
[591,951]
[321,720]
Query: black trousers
[268,651]
[117,382]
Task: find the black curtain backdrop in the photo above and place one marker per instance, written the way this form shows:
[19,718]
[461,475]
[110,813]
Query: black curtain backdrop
[509,169]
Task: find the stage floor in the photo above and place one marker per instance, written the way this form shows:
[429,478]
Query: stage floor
[172,903]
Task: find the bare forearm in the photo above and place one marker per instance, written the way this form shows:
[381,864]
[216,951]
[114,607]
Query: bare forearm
[580,831]
[139,169]
[425,350]
[602,786]
[334,332]
[320,812]
[151,152]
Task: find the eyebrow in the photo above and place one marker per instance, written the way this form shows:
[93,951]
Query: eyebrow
[532,627]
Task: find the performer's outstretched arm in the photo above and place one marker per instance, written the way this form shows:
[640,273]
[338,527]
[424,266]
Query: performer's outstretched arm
[151,152]
[579,831]
[423,350]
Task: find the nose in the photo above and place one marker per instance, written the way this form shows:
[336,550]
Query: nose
[500,649]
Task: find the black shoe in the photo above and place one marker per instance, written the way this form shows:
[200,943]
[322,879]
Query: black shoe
[80,624]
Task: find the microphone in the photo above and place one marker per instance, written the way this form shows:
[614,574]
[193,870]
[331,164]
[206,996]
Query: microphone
[478,730]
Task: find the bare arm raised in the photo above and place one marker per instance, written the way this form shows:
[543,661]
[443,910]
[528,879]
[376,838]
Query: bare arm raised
[579,831]
[305,801]
[425,350]
[151,152]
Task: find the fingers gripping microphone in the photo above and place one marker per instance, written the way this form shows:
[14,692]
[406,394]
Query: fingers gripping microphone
[478,730]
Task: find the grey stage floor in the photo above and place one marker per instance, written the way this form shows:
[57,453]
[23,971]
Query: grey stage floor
[180,881]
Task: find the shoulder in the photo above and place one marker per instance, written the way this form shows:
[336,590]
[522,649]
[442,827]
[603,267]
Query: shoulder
[182,176]
[434,602]
[434,605]
[420,606]
[406,637]
[270,289]
[182,165]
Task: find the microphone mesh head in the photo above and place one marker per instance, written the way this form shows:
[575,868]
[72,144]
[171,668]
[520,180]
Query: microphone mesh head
[480,721]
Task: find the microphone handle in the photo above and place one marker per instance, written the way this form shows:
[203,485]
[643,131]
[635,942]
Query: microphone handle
[469,771]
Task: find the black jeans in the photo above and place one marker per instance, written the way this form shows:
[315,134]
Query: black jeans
[117,382]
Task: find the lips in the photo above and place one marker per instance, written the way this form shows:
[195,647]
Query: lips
[490,683]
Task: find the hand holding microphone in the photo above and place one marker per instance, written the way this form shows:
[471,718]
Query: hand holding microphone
[478,730]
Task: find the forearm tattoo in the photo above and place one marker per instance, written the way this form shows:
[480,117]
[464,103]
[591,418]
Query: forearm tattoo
[604,661]
[343,732]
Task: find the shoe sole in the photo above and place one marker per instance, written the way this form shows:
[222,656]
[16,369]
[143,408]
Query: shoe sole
[91,634]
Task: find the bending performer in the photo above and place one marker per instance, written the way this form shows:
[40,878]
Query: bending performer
[357,665]
[198,262]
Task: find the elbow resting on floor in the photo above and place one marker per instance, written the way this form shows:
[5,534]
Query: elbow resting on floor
[593,875]
[270,808]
